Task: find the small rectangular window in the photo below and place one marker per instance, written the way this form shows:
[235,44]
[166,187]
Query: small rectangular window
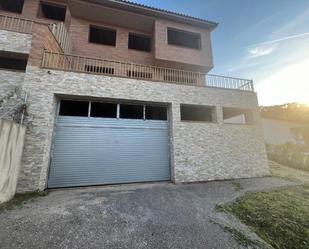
[52,11]
[156,113]
[237,116]
[97,69]
[184,38]
[13,61]
[139,42]
[103,110]
[197,113]
[74,108]
[132,111]
[15,6]
[102,36]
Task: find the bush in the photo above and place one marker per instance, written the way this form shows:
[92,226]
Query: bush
[289,154]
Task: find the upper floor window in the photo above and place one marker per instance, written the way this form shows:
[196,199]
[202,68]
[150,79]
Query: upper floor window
[15,6]
[102,36]
[183,38]
[52,11]
[139,42]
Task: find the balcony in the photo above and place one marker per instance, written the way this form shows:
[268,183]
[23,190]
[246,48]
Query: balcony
[68,62]
[75,63]
[16,24]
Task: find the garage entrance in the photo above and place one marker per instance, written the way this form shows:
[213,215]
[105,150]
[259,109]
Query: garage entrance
[107,143]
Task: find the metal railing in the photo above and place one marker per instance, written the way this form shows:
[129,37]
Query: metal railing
[83,64]
[229,82]
[62,36]
[17,24]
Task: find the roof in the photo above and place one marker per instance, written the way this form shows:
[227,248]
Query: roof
[145,9]
[168,12]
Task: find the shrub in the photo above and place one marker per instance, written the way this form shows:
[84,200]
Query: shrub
[289,154]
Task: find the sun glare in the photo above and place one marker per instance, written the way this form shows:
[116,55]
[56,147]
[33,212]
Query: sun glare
[291,84]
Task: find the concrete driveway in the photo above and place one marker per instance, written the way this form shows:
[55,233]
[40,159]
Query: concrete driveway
[130,216]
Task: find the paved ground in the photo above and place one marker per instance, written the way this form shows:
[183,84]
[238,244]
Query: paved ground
[129,216]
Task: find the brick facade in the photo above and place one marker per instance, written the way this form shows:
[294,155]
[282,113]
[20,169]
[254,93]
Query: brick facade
[200,151]
[161,54]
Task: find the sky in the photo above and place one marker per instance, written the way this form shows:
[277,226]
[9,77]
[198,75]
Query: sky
[263,40]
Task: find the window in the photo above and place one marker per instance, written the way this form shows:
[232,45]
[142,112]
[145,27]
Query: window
[198,113]
[74,108]
[52,11]
[103,110]
[139,42]
[102,36]
[156,113]
[111,110]
[13,61]
[184,38]
[237,116]
[97,69]
[132,111]
[15,6]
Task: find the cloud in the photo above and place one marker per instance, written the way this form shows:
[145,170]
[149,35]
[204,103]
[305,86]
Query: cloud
[289,84]
[292,24]
[267,47]
[276,41]
[259,51]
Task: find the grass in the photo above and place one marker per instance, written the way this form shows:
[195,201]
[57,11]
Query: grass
[281,217]
[295,175]
[19,200]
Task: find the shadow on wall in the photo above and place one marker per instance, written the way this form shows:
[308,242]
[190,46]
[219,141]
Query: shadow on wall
[12,136]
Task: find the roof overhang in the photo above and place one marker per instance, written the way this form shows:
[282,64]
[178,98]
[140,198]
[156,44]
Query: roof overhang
[151,12]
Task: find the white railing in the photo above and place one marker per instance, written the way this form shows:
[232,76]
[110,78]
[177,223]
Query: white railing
[62,36]
[228,82]
[83,64]
[17,24]
[116,68]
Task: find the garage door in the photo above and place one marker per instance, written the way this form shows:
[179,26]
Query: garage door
[106,150]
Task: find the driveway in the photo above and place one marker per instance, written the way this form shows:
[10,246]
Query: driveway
[135,216]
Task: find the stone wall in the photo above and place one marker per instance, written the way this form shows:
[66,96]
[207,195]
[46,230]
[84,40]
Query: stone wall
[9,81]
[200,151]
[11,147]
[15,42]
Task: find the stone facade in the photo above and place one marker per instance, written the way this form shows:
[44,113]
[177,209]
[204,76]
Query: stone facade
[200,151]
[15,42]
[10,80]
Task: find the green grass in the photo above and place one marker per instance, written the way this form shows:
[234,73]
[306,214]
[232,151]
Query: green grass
[19,200]
[281,217]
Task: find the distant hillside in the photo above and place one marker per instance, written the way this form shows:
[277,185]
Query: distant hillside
[289,112]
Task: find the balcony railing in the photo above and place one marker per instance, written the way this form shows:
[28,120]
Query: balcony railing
[229,82]
[83,64]
[62,36]
[16,24]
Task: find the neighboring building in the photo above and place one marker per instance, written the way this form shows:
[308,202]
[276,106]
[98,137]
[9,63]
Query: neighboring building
[120,92]
[278,131]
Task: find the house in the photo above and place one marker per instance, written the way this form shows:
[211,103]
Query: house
[278,131]
[119,92]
